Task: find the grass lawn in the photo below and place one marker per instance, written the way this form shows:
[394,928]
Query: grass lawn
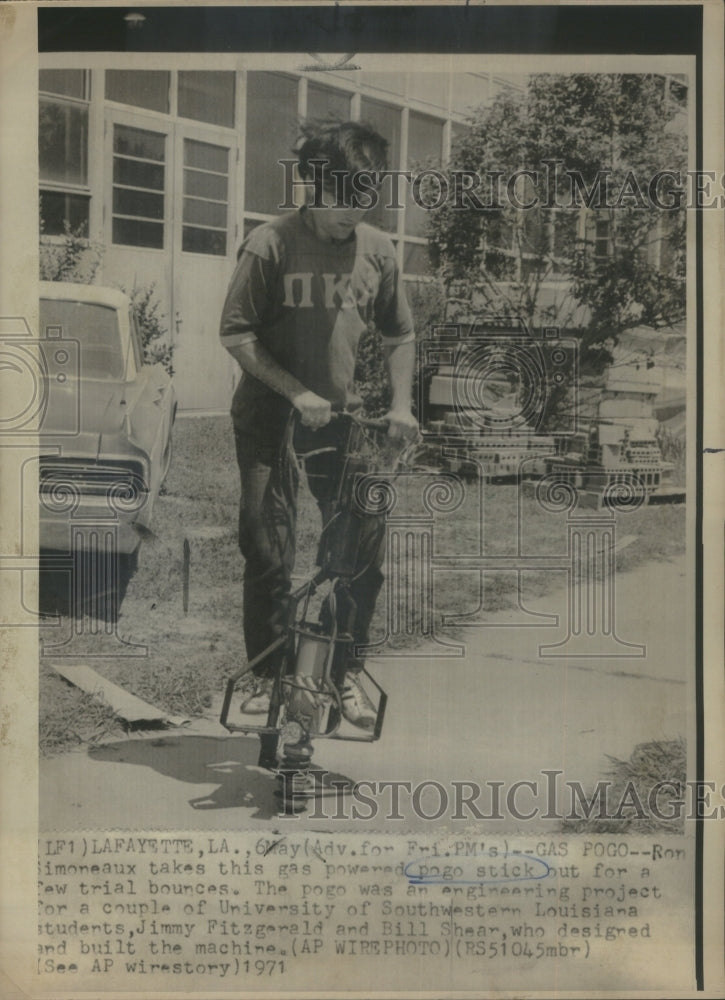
[190,655]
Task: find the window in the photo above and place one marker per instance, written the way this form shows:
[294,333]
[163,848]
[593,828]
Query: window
[385,119]
[63,142]
[272,131]
[64,82]
[207,97]
[63,150]
[139,87]
[602,242]
[324,101]
[139,158]
[206,185]
[57,208]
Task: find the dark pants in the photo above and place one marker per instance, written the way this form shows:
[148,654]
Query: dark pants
[267,530]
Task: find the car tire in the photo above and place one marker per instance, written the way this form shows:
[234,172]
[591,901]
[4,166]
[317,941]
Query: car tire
[114,572]
[85,584]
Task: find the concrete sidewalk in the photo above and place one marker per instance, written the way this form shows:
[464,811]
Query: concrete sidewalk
[500,713]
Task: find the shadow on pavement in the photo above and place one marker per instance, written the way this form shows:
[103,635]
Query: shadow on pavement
[229,761]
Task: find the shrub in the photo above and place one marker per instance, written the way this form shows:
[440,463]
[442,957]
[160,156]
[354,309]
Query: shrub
[156,348]
[75,258]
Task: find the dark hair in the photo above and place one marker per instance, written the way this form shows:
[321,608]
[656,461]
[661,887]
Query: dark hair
[344,146]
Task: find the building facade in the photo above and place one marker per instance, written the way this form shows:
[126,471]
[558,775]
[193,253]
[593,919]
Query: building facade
[170,169]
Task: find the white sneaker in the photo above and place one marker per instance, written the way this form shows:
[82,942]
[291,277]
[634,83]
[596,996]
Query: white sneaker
[356,706]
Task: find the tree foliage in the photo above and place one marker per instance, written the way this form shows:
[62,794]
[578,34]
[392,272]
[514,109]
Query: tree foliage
[613,130]
[427,304]
[154,333]
[72,258]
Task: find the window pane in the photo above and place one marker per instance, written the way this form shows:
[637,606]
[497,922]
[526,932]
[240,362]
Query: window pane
[385,120]
[324,101]
[425,138]
[204,241]
[272,123]
[209,185]
[206,156]
[602,234]
[130,232]
[207,97]
[139,143]
[205,213]
[137,174]
[147,206]
[415,259]
[56,208]
[68,82]
[63,142]
[139,87]
[205,185]
[430,87]
[144,205]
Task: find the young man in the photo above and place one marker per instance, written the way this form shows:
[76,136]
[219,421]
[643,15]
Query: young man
[306,287]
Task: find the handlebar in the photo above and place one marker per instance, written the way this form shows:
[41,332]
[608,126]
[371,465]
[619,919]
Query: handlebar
[369,423]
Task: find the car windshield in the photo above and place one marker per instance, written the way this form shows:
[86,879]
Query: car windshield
[94,326]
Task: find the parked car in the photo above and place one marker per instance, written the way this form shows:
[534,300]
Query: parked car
[105,445]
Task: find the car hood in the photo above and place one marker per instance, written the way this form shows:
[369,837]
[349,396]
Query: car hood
[87,417]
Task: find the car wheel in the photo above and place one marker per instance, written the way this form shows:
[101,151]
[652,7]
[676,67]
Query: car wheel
[102,580]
